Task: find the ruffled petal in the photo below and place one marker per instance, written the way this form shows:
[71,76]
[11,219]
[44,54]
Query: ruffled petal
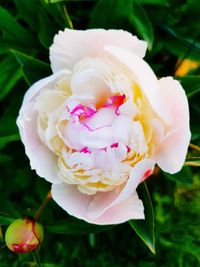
[41,158]
[70,46]
[104,201]
[112,207]
[172,152]
[145,78]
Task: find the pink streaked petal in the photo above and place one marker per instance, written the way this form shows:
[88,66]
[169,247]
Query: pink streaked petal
[145,78]
[104,201]
[173,149]
[70,46]
[85,150]
[116,101]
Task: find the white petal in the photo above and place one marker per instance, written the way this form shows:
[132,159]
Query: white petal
[130,208]
[76,204]
[104,201]
[172,152]
[70,46]
[71,200]
[145,78]
[41,158]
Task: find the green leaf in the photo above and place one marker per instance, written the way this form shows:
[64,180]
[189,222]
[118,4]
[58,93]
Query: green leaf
[10,73]
[181,46]
[191,84]
[5,220]
[46,33]
[33,69]
[193,161]
[154,2]
[142,24]
[74,226]
[145,228]
[119,18]
[4,158]
[9,138]
[54,1]
[12,30]
[28,12]
[183,176]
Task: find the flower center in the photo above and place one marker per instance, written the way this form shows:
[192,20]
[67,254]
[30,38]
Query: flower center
[92,126]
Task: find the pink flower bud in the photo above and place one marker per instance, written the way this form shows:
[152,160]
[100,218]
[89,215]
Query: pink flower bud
[24,235]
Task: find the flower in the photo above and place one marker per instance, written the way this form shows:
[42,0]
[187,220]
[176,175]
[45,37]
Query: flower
[24,235]
[96,128]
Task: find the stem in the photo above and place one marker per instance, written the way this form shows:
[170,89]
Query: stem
[68,18]
[43,206]
[36,259]
[197,148]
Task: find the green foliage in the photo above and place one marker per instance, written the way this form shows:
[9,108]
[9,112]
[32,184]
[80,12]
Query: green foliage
[27,29]
[73,226]
[145,228]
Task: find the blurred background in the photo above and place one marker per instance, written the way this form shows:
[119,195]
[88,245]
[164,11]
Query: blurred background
[172,30]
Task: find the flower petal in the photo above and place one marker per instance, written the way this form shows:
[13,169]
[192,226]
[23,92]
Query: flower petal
[145,78]
[130,208]
[76,204]
[70,46]
[104,201]
[41,158]
[173,150]
[71,200]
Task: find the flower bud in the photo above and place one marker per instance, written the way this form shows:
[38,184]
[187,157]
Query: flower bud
[24,235]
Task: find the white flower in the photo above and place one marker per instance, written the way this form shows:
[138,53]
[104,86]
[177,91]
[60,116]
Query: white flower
[99,124]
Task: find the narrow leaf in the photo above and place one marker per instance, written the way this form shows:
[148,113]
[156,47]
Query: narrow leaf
[9,138]
[191,84]
[181,46]
[5,220]
[145,228]
[154,2]
[13,30]
[10,73]
[33,69]
[142,24]
[74,226]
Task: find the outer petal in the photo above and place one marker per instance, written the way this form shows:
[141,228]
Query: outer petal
[71,46]
[130,208]
[145,78]
[104,201]
[173,150]
[41,158]
[111,207]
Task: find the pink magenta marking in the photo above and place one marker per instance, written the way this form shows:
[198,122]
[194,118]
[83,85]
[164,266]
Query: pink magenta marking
[128,149]
[81,110]
[78,108]
[147,174]
[114,145]
[116,100]
[85,150]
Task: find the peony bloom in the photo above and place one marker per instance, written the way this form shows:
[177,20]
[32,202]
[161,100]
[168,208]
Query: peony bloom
[98,125]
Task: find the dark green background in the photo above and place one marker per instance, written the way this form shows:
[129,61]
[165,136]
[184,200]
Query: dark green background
[27,27]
